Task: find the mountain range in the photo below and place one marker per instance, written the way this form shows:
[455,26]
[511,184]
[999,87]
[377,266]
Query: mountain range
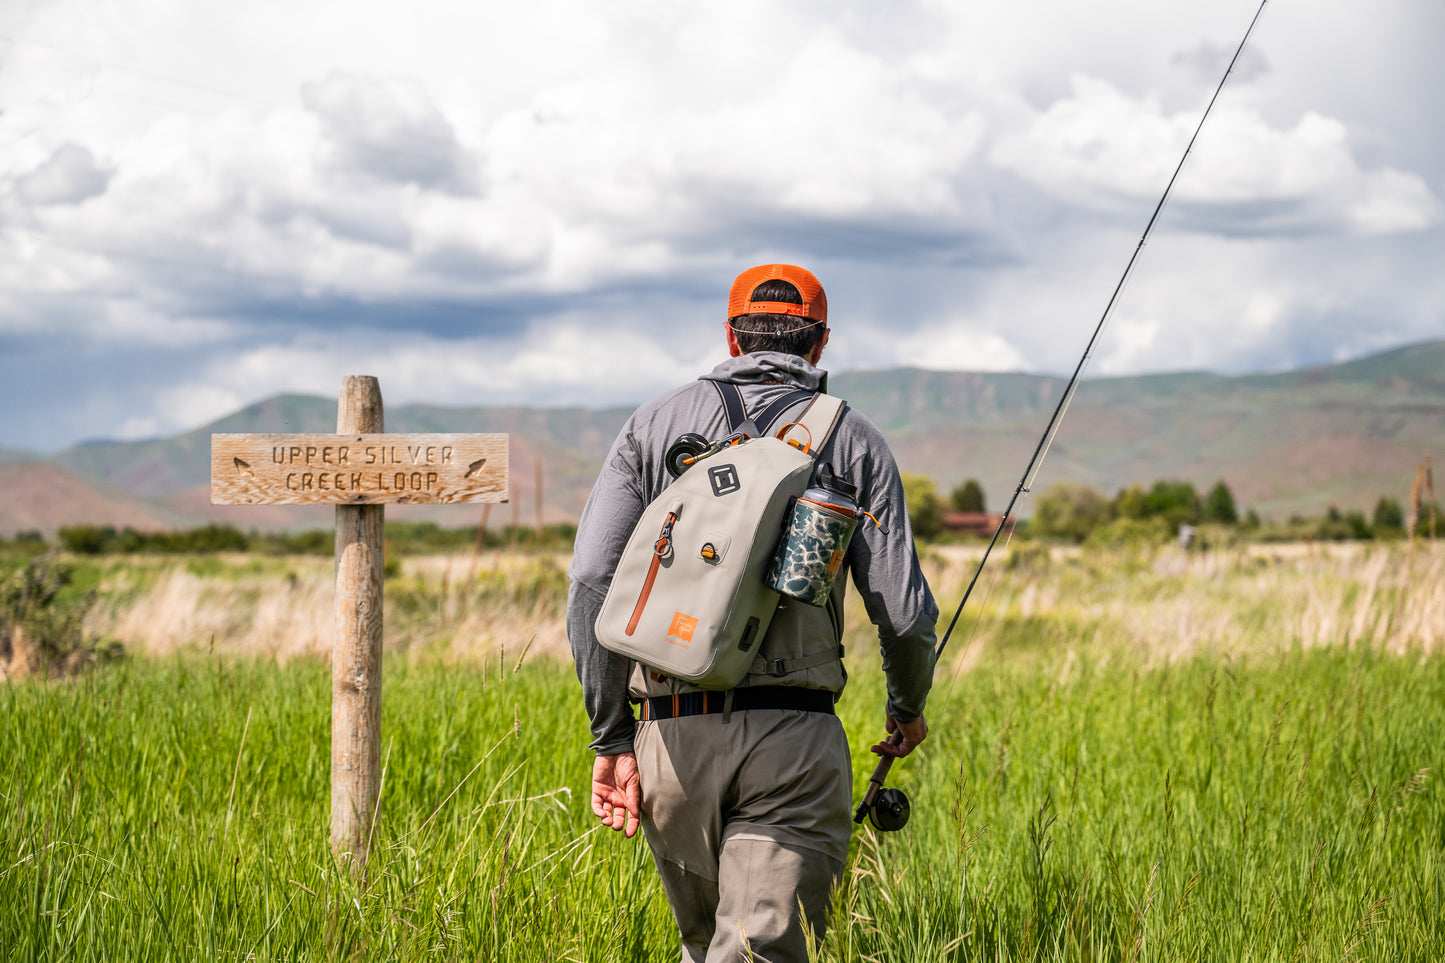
[1291,442]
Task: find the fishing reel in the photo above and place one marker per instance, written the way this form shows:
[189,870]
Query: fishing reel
[887,810]
[682,453]
[885,807]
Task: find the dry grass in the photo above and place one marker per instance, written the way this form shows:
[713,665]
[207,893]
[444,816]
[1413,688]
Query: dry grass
[1167,605]
[158,608]
[459,607]
[1160,606]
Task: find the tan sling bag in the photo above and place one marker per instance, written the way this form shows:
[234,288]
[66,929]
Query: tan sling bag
[688,597]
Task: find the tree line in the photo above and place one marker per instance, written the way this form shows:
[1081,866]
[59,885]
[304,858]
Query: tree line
[1079,513]
[402,538]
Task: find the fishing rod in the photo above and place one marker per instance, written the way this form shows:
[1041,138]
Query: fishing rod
[887,809]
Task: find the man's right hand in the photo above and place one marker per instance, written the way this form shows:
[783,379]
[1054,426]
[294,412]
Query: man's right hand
[616,792]
[906,737]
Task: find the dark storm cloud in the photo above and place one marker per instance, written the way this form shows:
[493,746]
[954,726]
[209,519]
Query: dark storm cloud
[45,412]
[877,239]
[270,317]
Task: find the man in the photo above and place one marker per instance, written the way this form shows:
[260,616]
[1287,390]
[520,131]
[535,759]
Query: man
[747,811]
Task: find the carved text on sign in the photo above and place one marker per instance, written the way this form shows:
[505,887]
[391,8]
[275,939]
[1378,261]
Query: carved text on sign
[358,469]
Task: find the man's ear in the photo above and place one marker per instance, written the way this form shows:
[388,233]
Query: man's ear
[734,349]
[817,353]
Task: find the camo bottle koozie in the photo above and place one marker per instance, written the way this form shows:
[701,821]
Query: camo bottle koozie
[812,547]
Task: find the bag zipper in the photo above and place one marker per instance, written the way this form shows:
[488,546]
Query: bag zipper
[660,550]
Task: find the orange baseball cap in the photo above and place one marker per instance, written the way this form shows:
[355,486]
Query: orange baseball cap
[815,302]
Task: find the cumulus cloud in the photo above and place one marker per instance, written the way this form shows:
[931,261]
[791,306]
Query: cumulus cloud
[968,181]
[1207,61]
[70,175]
[1101,148]
[389,130]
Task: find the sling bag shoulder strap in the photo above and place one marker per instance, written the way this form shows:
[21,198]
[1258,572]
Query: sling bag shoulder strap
[736,412]
[812,429]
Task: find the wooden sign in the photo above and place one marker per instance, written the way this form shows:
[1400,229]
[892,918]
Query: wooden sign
[359,469]
[369,469]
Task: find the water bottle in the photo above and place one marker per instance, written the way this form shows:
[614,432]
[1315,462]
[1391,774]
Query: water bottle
[815,539]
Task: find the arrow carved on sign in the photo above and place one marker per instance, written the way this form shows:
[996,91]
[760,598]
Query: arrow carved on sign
[243,467]
[475,467]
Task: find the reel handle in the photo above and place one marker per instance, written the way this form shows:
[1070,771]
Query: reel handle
[875,782]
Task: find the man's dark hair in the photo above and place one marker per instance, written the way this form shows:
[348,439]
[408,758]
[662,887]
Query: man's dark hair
[777,332]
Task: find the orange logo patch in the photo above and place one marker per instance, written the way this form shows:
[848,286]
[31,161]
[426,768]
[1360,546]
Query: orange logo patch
[680,631]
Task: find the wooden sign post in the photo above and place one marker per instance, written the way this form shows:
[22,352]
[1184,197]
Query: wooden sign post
[359,469]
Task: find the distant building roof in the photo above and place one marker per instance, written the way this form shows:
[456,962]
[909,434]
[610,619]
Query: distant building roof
[974,523]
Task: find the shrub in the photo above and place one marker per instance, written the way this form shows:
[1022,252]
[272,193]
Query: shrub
[39,628]
[86,539]
[1070,512]
[1175,501]
[1130,533]
[967,497]
[925,508]
[1219,505]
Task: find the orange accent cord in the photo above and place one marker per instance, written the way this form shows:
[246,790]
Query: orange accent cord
[795,424]
[651,576]
[840,509]
[646,591]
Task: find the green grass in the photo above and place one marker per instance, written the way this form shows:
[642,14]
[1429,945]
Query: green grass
[1272,808]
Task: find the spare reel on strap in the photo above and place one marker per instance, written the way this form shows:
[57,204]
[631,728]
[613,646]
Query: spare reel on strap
[687,446]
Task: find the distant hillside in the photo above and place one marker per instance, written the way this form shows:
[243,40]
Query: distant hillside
[1287,442]
[9,456]
[165,466]
[1292,442]
[43,497]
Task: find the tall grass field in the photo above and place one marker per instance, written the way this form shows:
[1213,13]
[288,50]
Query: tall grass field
[1132,758]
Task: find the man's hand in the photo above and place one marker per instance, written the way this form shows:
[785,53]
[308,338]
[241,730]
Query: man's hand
[906,737]
[616,793]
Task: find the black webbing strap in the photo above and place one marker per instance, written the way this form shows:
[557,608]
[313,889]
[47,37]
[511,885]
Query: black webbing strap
[732,402]
[737,413]
[772,412]
[682,704]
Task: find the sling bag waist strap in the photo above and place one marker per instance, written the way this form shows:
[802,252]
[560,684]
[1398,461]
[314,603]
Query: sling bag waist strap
[762,666]
[753,697]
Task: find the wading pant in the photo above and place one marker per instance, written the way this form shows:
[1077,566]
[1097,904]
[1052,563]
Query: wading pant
[746,820]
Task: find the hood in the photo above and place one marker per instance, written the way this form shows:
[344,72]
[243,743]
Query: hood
[769,367]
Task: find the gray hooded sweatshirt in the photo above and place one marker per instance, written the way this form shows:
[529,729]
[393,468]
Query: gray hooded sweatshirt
[884,566]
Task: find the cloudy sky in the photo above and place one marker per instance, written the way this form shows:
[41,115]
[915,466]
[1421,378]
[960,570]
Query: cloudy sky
[205,203]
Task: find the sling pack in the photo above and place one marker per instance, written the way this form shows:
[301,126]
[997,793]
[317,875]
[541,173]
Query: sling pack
[688,598]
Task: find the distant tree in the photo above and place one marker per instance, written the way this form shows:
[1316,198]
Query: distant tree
[1339,526]
[85,539]
[1389,517]
[1131,503]
[925,508]
[1359,528]
[1252,520]
[1175,501]
[968,497]
[1219,505]
[1431,522]
[1070,512]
